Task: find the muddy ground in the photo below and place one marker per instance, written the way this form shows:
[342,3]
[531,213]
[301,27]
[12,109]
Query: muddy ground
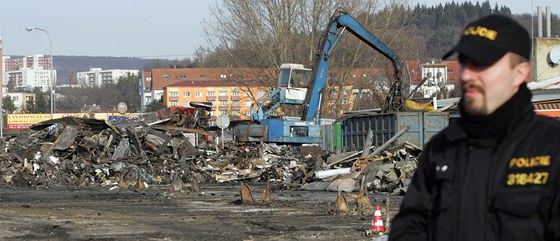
[156,213]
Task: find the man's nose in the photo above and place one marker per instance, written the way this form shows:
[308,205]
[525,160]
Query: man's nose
[466,74]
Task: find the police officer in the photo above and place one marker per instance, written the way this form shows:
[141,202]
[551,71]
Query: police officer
[494,174]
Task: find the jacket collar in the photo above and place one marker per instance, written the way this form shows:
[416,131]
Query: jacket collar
[520,116]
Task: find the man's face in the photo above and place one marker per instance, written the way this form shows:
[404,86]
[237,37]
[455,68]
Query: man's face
[487,87]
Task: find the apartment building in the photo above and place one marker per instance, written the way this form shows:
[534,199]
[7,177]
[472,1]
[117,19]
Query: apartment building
[179,87]
[9,63]
[97,77]
[235,100]
[28,72]
[438,75]
[155,80]
[227,97]
[26,62]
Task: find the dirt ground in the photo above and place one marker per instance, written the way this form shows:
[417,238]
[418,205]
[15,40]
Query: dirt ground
[156,213]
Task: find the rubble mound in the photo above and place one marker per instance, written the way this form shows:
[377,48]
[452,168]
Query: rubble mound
[82,152]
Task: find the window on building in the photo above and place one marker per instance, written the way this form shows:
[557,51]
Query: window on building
[15,98]
[235,103]
[260,93]
[210,93]
[223,103]
[203,76]
[344,102]
[451,79]
[174,103]
[198,94]
[247,103]
[165,76]
[186,103]
[223,76]
[223,93]
[186,94]
[183,76]
[235,93]
[235,113]
[450,71]
[174,93]
[223,112]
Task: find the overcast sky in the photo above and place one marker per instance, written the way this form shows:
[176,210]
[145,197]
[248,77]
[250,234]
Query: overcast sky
[131,28]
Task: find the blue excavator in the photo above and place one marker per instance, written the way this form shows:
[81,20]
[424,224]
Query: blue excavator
[298,85]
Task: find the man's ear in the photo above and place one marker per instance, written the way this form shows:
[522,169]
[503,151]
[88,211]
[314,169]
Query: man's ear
[522,73]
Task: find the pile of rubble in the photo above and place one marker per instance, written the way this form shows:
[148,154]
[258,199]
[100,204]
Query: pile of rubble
[84,152]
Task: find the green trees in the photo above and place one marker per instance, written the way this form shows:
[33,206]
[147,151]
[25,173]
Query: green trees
[155,106]
[8,105]
[128,92]
[38,104]
[439,25]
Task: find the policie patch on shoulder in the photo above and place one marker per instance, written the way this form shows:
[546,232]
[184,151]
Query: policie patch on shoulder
[528,171]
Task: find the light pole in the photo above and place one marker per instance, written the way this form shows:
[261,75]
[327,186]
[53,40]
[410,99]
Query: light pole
[51,66]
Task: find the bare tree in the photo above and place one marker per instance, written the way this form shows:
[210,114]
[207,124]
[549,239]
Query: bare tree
[263,34]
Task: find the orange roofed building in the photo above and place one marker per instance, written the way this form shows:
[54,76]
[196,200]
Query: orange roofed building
[227,97]
[230,94]
[154,81]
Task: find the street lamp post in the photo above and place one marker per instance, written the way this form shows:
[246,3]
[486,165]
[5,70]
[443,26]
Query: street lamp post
[51,67]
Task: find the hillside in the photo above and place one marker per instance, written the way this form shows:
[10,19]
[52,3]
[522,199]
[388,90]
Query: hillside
[68,66]
[439,25]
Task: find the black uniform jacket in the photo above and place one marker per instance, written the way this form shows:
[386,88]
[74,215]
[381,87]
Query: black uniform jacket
[475,190]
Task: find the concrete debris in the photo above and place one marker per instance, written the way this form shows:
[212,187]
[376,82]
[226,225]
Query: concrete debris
[83,152]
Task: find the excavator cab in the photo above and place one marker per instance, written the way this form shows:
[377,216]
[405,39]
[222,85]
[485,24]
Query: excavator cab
[293,80]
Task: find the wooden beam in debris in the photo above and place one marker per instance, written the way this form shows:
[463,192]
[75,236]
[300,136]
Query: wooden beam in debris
[377,151]
[388,142]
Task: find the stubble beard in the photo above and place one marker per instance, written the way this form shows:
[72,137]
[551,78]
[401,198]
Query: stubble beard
[475,106]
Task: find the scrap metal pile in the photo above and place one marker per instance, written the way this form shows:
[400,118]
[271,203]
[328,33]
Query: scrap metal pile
[82,152]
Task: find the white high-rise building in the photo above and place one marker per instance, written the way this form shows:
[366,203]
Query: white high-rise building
[28,72]
[98,77]
[30,79]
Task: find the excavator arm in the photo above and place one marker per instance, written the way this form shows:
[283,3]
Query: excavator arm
[338,23]
[299,86]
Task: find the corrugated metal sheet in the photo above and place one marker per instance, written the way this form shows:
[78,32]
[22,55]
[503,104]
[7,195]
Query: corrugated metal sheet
[422,126]
[327,137]
[122,150]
